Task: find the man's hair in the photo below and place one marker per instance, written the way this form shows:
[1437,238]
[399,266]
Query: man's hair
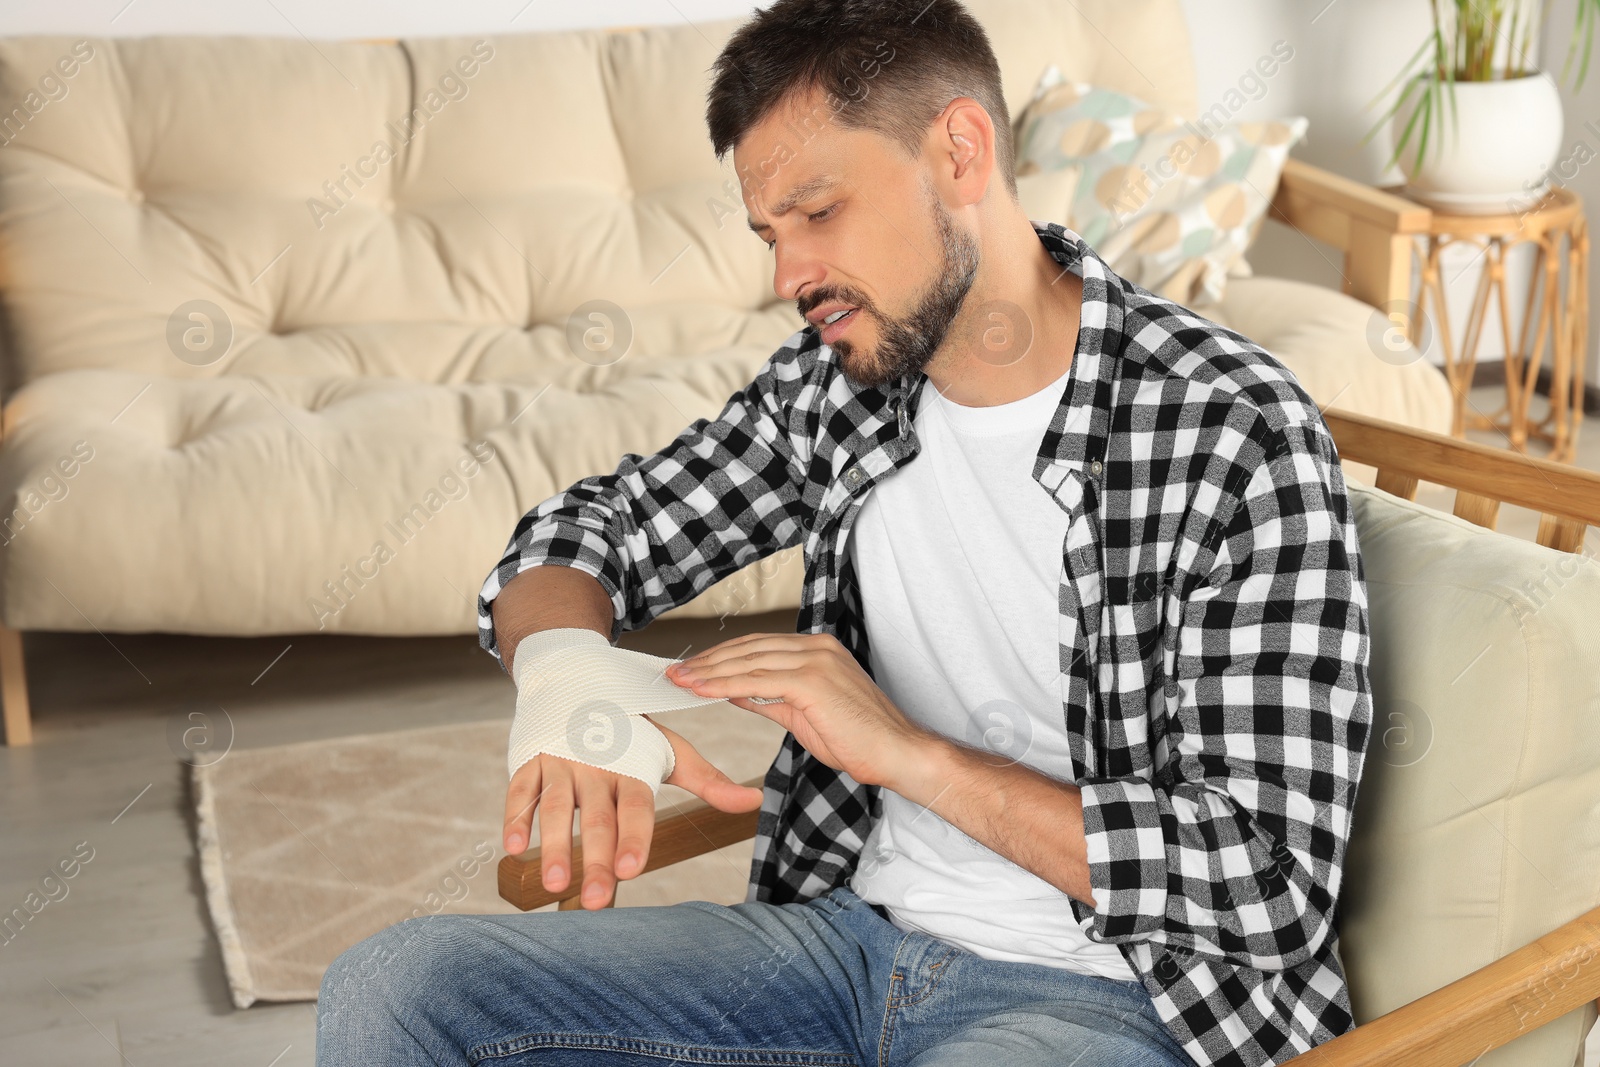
[889,66]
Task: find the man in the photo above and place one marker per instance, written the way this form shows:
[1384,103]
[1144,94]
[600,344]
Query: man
[1079,701]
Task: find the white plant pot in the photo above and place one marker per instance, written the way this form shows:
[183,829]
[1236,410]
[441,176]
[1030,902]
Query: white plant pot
[1493,150]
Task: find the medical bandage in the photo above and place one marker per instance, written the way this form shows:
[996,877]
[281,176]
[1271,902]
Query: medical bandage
[581,698]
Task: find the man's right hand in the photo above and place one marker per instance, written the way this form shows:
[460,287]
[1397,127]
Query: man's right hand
[617,814]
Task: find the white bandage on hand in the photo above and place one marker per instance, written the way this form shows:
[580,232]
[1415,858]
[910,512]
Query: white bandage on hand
[581,698]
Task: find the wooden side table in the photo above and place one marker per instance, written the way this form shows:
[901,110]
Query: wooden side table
[1560,314]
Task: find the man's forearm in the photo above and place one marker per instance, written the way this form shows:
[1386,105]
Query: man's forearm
[544,598]
[1031,819]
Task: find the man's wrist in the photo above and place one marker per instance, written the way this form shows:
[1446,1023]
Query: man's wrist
[559,714]
[531,646]
[982,793]
[928,762]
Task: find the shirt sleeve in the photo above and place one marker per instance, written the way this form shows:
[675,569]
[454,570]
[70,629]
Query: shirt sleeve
[662,528]
[1236,848]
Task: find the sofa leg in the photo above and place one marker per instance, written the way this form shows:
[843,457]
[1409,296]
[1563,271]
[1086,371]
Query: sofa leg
[14,689]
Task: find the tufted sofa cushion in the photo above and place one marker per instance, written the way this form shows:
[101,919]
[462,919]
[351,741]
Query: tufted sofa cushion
[1477,822]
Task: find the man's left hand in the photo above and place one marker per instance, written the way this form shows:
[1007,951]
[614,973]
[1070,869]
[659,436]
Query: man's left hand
[833,707]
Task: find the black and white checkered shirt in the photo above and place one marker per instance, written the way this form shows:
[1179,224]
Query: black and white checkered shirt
[1214,648]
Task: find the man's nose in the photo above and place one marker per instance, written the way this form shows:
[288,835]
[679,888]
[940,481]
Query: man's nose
[796,271]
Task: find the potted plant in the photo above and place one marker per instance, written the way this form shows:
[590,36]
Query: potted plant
[1506,120]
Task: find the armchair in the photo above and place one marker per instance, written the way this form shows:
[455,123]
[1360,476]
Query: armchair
[1496,1003]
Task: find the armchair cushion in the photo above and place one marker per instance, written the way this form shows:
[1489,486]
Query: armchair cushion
[1477,821]
[1332,343]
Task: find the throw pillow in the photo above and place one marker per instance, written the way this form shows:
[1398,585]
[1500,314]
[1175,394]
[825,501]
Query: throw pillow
[1169,204]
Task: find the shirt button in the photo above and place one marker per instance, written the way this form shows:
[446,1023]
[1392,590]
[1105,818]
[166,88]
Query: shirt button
[1172,689]
[853,476]
[1094,467]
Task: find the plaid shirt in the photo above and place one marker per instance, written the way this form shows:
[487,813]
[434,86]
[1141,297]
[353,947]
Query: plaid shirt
[1214,638]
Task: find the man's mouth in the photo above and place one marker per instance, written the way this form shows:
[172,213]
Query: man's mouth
[835,325]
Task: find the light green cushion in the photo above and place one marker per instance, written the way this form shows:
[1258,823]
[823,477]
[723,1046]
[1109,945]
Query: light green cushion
[1477,819]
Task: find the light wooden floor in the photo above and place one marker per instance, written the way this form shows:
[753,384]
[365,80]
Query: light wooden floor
[124,969]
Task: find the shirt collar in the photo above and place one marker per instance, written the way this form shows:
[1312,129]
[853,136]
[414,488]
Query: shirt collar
[1076,438]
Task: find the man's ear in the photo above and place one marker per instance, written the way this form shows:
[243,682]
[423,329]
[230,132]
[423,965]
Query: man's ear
[968,147]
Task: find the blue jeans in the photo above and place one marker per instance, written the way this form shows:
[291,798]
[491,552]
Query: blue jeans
[829,981]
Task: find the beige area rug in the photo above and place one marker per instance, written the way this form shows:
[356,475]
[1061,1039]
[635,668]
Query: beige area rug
[306,849]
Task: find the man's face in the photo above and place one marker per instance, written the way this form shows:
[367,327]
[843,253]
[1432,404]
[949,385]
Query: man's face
[855,225]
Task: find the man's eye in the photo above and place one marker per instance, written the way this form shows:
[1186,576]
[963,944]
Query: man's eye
[816,216]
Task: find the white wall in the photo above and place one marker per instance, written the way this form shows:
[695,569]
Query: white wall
[1345,53]
[1580,148]
[347,18]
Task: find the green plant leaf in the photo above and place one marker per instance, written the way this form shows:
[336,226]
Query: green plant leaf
[1399,101]
[1421,112]
[1585,29]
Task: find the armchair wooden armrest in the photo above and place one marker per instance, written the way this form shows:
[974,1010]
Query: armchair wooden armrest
[1534,985]
[1373,228]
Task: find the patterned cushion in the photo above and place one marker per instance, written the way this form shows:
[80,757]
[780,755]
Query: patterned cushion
[1167,206]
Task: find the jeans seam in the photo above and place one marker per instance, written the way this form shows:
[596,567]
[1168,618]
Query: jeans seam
[937,971]
[664,1049]
[886,1032]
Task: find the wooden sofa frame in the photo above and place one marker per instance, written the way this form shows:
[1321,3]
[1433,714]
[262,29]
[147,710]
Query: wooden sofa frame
[1373,228]
[1451,1026]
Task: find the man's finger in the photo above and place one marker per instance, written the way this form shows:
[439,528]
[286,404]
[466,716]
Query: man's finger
[595,790]
[695,773]
[555,824]
[749,644]
[778,685]
[522,794]
[636,825]
[770,660]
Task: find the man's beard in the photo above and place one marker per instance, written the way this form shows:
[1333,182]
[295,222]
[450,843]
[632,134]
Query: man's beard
[905,345]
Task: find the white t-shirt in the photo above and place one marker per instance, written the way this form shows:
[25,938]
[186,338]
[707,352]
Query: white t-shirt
[959,557]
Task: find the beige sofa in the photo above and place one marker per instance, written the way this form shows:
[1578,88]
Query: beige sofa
[294,333]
